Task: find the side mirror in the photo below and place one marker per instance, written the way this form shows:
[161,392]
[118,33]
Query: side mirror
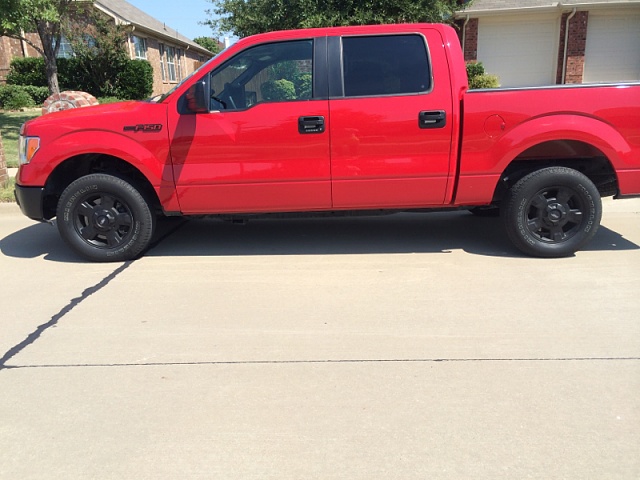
[195,99]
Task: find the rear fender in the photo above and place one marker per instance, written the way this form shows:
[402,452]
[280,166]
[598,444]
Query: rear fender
[481,170]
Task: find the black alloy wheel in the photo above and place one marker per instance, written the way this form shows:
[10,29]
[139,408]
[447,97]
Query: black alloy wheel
[104,218]
[552,212]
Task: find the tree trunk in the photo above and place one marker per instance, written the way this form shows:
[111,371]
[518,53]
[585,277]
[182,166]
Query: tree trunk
[50,37]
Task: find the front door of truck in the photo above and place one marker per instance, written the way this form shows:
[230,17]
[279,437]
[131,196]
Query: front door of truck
[391,124]
[263,145]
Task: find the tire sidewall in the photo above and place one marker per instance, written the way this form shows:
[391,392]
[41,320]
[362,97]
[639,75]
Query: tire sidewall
[142,219]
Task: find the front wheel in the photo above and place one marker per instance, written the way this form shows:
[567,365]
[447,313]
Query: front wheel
[105,219]
[552,212]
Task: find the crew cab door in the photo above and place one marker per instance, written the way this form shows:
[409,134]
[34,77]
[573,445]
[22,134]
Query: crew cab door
[391,120]
[262,145]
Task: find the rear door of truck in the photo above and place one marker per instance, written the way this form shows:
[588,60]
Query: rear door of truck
[391,120]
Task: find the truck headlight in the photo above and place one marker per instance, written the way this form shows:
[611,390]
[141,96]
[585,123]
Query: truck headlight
[28,146]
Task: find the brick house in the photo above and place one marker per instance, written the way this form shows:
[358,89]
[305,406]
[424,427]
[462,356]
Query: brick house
[544,42]
[172,55]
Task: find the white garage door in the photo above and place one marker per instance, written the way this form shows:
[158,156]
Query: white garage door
[613,47]
[521,51]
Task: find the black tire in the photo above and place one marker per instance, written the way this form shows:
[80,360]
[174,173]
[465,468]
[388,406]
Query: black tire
[105,219]
[552,212]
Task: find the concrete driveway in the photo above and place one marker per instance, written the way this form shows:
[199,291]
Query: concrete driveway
[400,347]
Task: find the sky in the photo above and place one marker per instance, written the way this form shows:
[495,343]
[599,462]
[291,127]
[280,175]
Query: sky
[182,15]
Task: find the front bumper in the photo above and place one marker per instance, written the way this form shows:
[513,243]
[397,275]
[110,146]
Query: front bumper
[30,201]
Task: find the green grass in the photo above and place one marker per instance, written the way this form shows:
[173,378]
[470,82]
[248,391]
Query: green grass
[10,123]
[6,192]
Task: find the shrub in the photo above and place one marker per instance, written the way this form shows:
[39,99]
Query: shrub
[129,79]
[475,69]
[15,97]
[303,85]
[39,94]
[135,80]
[104,100]
[484,81]
[479,79]
[278,90]
[27,71]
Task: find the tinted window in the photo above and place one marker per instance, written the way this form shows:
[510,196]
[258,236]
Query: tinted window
[385,65]
[273,72]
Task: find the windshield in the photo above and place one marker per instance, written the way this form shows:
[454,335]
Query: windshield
[161,98]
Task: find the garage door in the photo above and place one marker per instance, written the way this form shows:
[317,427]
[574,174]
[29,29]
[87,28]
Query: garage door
[522,52]
[613,47]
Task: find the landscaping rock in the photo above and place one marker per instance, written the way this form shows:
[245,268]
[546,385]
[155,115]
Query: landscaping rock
[67,100]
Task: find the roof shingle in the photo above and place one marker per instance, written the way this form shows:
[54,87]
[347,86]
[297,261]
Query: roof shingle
[128,13]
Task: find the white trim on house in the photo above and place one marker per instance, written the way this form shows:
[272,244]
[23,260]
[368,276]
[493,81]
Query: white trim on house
[543,7]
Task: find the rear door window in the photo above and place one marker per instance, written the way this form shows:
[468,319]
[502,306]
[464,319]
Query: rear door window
[385,65]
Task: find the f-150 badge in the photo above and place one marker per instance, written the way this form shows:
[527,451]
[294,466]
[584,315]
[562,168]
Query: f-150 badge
[143,127]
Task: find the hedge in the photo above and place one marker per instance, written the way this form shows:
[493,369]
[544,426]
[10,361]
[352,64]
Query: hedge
[479,79]
[133,82]
[15,97]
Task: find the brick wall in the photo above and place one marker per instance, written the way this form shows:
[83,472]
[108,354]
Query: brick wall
[575,48]
[189,61]
[470,38]
[11,48]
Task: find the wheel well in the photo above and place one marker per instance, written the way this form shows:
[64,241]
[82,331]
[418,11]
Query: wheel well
[579,156]
[82,165]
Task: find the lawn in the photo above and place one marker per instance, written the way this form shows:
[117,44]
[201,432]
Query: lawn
[10,123]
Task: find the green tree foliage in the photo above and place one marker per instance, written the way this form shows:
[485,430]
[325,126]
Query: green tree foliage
[15,97]
[98,46]
[209,43]
[279,90]
[479,79]
[134,81]
[42,16]
[248,17]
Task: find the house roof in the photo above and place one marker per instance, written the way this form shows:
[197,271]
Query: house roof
[482,6]
[127,13]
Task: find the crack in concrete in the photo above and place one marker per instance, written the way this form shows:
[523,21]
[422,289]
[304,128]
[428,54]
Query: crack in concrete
[328,361]
[37,333]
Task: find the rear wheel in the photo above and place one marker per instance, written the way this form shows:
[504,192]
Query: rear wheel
[552,212]
[104,218]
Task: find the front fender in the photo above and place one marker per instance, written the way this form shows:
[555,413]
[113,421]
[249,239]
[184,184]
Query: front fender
[150,157]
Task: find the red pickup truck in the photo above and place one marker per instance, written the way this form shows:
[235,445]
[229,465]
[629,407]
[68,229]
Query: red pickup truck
[371,118]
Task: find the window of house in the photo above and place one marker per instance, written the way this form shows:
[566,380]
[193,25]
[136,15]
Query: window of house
[385,65]
[163,71]
[65,51]
[274,72]
[179,72]
[140,47]
[171,64]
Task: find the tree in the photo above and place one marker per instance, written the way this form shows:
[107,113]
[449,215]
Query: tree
[18,17]
[248,17]
[209,43]
[99,50]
